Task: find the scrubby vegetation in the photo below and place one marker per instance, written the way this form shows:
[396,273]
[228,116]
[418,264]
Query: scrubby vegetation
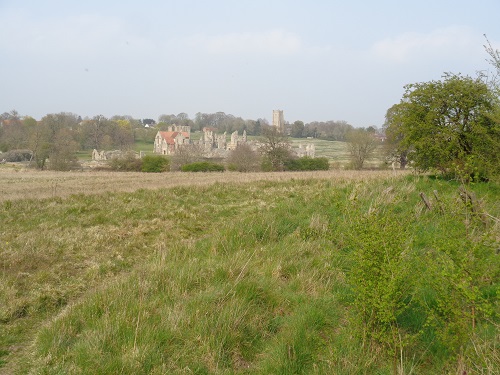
[244,159]
[202,166]
[307,164]
[126,163]
[155,163]
[300,276]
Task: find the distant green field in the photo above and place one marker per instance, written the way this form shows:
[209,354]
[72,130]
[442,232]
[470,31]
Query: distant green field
[337,153]
[147,147]
[196,136]
[83,155]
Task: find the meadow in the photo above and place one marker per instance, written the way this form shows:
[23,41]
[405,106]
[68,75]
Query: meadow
[333,272]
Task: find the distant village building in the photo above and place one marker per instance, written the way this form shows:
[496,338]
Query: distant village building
[166,142]
[279,120]
[212,144]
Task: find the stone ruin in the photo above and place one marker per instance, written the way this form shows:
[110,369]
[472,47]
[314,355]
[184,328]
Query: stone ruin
[216,145]
[108,155]
[236,140]
[306,150]
[211,140]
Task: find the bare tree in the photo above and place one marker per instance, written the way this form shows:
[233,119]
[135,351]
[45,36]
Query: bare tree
[494,60]
[186,154]
[63,151]
[52,139]
[361,145]
[275,149]
[244,159]
[494,55]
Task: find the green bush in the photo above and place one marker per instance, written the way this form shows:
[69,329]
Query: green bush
[127,163]
[232,167]
[202,166]
[155,163]
[307,164]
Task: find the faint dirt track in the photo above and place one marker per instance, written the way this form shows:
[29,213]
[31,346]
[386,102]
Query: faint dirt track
[29,184]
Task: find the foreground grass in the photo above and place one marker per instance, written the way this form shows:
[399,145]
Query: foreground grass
[229,278]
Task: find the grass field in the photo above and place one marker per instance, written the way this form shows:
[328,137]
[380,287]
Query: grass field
[335,152]
[146,147]
[255,273]
[17,182]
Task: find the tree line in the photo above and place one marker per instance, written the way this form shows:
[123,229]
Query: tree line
[58,137]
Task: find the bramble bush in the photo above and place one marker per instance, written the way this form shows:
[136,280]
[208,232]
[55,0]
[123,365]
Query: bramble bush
[307,164]
[155,163]
[202,166]
[127,163]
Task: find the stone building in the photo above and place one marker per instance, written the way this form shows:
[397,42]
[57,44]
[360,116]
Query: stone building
[211,140]
[166,142]
[236,140]
[279,120]
[212,144]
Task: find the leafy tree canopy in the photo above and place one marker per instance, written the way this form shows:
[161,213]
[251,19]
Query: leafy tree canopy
[451,125]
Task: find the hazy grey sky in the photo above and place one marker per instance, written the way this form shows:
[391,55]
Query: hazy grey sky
[316,60]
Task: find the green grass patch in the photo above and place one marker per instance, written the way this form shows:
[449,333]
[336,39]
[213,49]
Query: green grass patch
[276,277]
[144,146]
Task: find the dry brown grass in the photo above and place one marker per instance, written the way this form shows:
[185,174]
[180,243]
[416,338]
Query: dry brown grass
[26,184]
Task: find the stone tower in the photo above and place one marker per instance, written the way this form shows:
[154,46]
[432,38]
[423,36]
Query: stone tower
[279,120]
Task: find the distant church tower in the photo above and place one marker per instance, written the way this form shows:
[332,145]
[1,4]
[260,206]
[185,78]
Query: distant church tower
[279,120]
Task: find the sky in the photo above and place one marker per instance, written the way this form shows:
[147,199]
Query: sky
[317,60]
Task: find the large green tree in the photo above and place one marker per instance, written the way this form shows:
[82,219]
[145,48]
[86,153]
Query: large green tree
[297,129]
[450,125]
[396,152]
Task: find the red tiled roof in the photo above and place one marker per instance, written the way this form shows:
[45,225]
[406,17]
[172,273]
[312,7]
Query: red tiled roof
[170,136]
